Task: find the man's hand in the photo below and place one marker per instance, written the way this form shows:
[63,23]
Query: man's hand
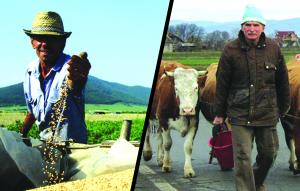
[27,124]
[218,120]
[78,70]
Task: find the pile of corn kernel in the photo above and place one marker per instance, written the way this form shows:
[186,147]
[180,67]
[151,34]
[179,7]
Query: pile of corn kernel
[119,181]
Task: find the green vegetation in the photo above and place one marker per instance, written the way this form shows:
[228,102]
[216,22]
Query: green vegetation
[13,108]
[200,60]
[89,108]
[98,131]
[100,127]
[117,107]
[290,53]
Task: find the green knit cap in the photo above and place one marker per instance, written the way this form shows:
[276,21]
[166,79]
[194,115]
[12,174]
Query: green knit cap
[253,14]
[47,23]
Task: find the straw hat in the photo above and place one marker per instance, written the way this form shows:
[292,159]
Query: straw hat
[47,23]
[253,14]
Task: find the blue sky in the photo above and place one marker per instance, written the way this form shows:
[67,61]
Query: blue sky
[122,38]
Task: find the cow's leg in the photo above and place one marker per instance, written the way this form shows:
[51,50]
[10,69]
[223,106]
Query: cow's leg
[288,132]
[293,159]
[297,149]
[147,151]
[167,144]
[188,148]
[160,150]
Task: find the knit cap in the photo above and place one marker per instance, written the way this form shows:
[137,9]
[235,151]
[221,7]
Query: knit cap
[253,14]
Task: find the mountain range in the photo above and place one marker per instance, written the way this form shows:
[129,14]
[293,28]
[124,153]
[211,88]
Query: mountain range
[97,92]
[230,27]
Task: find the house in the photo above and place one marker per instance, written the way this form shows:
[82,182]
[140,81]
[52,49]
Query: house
[172,42]
[175,43]
[187,46]
[287,39]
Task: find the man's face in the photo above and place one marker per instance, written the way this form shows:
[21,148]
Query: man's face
[48,48]
[252,30]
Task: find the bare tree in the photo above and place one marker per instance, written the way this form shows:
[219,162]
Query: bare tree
[188,32]
[217,39]
[195,34]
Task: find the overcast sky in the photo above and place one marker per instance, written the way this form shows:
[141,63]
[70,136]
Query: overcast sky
[122,38]
[232,10]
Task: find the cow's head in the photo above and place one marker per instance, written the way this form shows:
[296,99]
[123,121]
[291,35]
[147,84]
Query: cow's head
[186,89]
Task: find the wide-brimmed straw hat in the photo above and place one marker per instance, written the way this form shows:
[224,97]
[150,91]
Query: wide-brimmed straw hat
[47,23]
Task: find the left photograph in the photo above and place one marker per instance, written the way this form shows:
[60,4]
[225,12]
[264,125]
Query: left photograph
[74,91]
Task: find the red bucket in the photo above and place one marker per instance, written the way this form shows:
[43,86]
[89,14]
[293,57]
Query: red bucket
[222,149]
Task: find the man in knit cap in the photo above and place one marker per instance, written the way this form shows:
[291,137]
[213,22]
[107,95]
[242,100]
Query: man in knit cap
[46,75]
[252,92]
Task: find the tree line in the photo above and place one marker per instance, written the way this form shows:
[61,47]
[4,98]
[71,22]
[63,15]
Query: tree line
[192,33]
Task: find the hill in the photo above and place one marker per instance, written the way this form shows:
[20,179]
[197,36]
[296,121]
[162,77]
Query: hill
[230,27]
[97,92]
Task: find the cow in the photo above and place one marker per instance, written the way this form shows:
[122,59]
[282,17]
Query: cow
[208,92]
[175,106]
[291,121]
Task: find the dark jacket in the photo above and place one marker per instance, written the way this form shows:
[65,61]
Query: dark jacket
[252,83]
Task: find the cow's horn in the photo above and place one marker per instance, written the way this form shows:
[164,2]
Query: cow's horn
[201,73]
[170,74]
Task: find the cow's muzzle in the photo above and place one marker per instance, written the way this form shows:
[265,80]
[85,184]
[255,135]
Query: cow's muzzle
[187,111]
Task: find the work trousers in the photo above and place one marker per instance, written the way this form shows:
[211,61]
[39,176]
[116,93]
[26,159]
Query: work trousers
[248,178]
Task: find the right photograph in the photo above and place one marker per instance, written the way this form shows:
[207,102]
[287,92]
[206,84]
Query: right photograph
[225,112]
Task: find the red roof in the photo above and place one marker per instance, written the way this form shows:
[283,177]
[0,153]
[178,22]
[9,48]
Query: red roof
[284,33]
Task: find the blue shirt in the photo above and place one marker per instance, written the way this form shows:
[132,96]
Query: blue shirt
[41,96]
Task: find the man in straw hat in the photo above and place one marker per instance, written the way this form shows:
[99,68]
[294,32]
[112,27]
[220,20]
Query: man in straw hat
[45,76]
[252,92]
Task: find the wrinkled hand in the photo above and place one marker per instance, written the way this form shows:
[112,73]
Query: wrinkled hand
[78,67]
[77,71]
[218,120]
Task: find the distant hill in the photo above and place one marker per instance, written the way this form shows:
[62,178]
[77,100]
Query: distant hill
[271,26]
[97,92]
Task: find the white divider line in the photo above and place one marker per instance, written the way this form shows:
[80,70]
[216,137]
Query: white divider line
[159,182]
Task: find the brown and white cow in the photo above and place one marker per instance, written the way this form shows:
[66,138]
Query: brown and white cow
[291,122]
[175,106]
[208,92]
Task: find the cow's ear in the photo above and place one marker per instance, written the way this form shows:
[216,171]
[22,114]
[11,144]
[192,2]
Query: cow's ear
[201,81]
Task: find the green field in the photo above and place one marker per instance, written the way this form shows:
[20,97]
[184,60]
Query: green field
[100,127]
[200,60]
[89,108]
[118,107]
